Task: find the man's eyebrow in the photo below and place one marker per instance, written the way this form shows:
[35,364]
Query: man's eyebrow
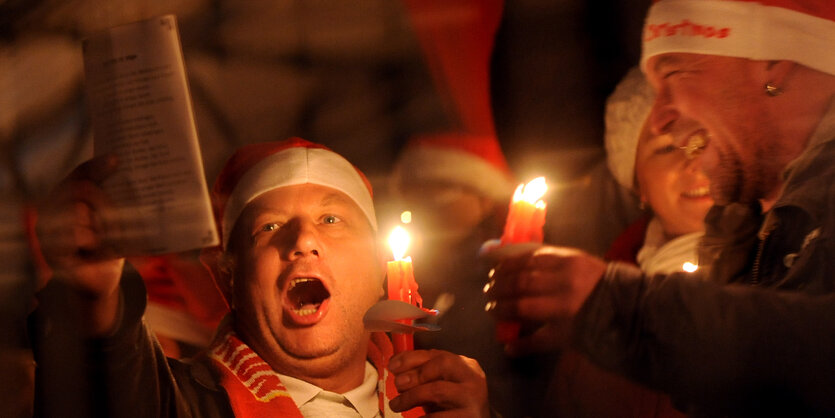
[261,209]
[663,61]
[334,198]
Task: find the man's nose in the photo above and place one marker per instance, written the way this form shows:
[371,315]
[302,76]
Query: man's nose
[304,241]
[662,114]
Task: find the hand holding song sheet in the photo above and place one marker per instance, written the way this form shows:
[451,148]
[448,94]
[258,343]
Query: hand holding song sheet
[142,115]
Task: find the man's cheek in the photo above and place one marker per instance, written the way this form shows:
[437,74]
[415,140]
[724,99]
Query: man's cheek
[709,161]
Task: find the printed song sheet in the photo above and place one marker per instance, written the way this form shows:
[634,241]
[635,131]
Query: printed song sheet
[142,114]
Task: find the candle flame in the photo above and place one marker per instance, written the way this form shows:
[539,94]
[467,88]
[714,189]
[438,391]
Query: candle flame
[689,267]
[399,242]
[517,195]
[532,191]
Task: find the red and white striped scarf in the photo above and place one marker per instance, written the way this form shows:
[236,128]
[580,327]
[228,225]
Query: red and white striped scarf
[255,389]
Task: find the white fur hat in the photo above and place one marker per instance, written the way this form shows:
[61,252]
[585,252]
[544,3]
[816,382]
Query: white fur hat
[626,111]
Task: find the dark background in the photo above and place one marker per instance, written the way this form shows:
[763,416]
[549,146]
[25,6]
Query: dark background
[346,74]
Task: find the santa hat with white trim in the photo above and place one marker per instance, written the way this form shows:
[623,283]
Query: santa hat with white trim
[255,169]
[802,31]
[474,161]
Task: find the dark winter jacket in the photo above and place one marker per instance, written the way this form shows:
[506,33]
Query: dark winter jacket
[756,337]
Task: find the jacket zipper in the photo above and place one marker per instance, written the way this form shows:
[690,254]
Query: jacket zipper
[755,270]
[769,223]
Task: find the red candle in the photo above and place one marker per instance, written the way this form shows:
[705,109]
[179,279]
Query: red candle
[536,233]
[403,287]
[525,220]
[401,284]
[526,215]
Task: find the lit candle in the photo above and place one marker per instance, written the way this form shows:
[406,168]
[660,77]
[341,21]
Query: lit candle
[525,220]
[526,215]
[689,267]
[401,284]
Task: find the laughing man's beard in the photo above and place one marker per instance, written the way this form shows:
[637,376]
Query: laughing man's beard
[727,186]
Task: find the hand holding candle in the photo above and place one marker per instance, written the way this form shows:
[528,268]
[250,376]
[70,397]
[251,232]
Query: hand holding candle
[525,220]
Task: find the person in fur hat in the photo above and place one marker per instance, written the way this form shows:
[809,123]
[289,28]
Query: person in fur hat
[673,191]
[668,179]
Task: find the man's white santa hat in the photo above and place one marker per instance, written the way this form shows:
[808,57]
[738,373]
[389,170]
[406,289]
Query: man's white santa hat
[255,169]
[802,31]
[258,168]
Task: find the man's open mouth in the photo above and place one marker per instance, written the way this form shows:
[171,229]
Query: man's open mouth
[306,299]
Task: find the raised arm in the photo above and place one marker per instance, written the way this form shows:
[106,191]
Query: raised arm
[71,229]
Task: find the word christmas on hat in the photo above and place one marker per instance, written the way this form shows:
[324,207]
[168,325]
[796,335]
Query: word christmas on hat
[802,31]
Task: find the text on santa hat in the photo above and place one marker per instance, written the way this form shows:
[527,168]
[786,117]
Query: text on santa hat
[685,28]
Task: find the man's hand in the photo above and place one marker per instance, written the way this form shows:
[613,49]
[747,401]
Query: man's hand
[71,229]
[545,287]
[443,383]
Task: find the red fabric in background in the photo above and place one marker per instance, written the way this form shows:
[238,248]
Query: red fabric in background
[457,38]
[181,282]
[626,246]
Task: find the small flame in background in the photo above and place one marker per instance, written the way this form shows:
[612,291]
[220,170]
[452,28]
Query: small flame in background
[689,267]
[406,217]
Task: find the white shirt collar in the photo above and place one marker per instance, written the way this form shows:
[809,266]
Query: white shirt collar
[363,398]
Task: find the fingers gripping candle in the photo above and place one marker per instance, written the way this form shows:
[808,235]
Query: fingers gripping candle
[524,223]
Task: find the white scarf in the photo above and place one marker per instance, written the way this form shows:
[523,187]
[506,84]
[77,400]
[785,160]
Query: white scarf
[658,255]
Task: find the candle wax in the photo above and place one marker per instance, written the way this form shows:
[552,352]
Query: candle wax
[402,287]
[524,223]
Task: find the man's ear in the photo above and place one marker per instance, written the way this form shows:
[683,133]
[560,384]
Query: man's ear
[224,269]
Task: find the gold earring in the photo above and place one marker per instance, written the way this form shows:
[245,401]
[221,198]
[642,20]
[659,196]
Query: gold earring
[772,90]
